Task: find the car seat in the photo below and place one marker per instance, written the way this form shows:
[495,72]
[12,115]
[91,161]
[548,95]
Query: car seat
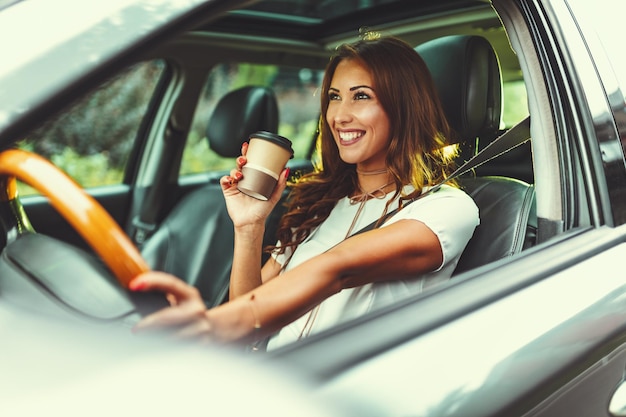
[466,72]
[195,240]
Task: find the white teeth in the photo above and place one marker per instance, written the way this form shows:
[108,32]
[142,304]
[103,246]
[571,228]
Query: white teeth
[350,135]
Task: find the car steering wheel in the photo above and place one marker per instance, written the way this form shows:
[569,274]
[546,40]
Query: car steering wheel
[80,210]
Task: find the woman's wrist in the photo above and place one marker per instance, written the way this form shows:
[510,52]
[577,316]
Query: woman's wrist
[252,230]
[235,321]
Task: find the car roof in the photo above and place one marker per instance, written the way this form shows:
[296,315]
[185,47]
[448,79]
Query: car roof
[319,21]
[80,53]
[332,22]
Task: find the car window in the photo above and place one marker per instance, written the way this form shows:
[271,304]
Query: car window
[92,140]
[515,102]
[298,107]
[607,49]
[594,18]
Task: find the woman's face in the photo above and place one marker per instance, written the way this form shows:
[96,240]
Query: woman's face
[359,124]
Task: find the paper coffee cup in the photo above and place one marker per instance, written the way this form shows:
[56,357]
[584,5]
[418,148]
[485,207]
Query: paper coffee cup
[267,156]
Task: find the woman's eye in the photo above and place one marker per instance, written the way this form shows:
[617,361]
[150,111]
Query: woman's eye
[333,96]
[360,95]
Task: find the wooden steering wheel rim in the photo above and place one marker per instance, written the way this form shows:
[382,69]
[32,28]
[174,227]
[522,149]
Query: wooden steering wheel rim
[80,210]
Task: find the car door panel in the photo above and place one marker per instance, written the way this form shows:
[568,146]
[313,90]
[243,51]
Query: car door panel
[492,353]
[588,394]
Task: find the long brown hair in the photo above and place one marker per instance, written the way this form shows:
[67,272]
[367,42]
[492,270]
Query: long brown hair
[419,131]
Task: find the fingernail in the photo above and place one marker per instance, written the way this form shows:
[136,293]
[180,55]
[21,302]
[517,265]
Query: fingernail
[137,285]
[238,175]
[287,170]
[241,160]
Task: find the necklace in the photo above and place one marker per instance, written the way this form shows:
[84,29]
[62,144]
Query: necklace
[374,172]
[375,193]
[378,193]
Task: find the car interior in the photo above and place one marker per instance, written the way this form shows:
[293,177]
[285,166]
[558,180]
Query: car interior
[195,239]
[180,223]
[144,105]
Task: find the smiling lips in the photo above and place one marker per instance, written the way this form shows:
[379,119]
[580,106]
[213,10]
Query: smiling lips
[348,138]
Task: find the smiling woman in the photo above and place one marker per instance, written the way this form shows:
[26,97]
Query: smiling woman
[374,160]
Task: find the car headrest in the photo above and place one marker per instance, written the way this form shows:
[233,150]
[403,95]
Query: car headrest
[466,73]
[237,115]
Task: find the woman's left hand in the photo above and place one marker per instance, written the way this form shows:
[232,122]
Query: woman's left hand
[186,318]
[242,209]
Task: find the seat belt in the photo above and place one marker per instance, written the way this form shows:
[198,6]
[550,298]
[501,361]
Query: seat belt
[144,224]
[146,221]
[511,139]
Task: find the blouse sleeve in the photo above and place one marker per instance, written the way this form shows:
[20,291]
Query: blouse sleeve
[450,213]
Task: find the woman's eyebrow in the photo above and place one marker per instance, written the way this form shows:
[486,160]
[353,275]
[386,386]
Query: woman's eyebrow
[356,87]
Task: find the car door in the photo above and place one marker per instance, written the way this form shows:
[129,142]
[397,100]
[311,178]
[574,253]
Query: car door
[593,64]
[542,333]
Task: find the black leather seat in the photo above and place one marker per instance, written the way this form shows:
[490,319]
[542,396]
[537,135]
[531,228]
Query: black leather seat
[508,220]
[467,74]
[195,240]
[237,115]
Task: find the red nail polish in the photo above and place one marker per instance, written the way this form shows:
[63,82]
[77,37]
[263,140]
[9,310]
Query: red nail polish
[137,285]
[241,160]
[287,170]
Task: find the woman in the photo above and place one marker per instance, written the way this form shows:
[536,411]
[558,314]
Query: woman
[381,140]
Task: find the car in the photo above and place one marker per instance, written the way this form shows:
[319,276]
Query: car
[118,118]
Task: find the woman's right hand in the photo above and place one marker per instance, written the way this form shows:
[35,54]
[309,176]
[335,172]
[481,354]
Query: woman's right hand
[187,318]
[243,209]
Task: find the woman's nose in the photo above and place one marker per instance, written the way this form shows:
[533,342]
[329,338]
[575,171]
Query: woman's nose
[341,112]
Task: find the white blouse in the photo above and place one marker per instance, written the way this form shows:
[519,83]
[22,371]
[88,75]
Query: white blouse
[449,212]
